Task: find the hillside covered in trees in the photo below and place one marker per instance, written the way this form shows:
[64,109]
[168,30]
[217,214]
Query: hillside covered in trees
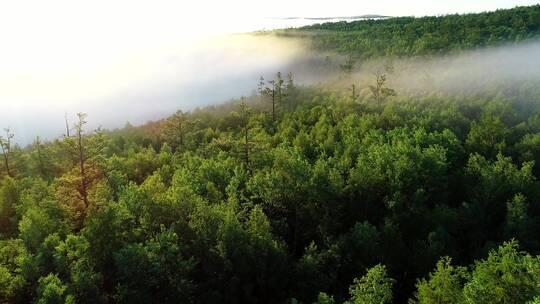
[409,36]
[297,194]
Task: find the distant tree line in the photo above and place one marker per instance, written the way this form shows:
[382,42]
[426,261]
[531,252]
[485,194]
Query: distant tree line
[410,36]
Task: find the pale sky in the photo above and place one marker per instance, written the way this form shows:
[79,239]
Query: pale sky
[57,53]
[47,46]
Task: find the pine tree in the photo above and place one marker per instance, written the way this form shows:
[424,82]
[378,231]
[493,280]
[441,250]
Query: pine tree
[380,91]
[5,144]
[280,86]
[348,65]
[354,93]
[245,113]
[271,92]
[175,130]
[290,88]
[85,151]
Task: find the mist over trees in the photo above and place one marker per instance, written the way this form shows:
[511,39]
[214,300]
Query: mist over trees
[296,194]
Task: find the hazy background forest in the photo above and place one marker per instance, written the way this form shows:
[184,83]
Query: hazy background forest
[386,160]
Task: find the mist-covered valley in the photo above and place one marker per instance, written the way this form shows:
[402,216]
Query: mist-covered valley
[218,69]
[116,86]
[467,72]
[149,86]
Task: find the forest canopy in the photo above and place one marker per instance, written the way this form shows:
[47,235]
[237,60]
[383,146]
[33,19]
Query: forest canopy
[296,194]
[410,36]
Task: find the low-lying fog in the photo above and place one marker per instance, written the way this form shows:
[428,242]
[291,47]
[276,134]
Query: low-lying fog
[115,86]
[152,85]
[473,71]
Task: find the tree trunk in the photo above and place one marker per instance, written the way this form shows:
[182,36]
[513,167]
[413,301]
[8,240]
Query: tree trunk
[273,105]
[181,134]
[246,148]
[67,125]
[6,160]
[83,191]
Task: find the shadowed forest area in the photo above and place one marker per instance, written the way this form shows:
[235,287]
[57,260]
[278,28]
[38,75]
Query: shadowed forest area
[353,190]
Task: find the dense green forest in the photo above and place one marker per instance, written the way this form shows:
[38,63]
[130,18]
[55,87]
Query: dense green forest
[409,36]
[297,194]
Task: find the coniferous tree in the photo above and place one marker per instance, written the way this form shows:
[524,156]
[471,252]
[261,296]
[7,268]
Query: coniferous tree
[86,151]
[271,92]
[354,93]
[245,113]
[349,64]
[280,87]
[261,87]
[6,145]
[175,129]
[373,288]
[289,90]
[380,91]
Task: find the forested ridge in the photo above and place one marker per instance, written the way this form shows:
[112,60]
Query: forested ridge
[410,36]
[296,194]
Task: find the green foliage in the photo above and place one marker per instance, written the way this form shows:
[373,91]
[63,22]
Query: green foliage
[409,36]
[324,299]
[292,195]
[154,271]
[9,197]
[51,290]
[444,285]
[330,189]
[373,287]
[506,276]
